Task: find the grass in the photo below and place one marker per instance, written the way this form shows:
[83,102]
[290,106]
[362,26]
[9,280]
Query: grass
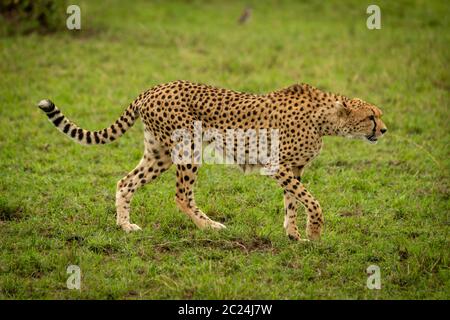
[385,205]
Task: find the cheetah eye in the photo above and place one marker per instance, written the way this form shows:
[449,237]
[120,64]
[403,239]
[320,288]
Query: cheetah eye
[371,118]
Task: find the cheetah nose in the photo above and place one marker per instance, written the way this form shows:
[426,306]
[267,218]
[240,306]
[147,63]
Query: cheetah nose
[383,131]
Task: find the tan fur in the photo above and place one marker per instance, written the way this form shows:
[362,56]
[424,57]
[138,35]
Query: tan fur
[301,113]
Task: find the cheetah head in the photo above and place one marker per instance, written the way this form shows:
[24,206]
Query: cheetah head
[361,120]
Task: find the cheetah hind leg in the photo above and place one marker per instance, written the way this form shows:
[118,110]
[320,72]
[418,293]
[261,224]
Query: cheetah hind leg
[186,177]
[147,170]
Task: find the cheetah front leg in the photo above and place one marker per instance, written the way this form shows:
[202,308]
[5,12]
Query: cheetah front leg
[295,191]
[186,177]
[290,209]
[290,216]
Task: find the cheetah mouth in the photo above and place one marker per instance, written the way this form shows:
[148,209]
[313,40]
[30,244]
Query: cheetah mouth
[372,138]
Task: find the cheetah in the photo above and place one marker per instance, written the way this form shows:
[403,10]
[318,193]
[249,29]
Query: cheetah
[301,114]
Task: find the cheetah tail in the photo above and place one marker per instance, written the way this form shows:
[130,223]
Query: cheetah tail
[86,137]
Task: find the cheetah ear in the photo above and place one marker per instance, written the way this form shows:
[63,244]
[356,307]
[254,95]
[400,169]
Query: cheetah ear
[341,110]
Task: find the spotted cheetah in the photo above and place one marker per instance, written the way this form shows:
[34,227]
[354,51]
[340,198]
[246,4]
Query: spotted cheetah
[301,114]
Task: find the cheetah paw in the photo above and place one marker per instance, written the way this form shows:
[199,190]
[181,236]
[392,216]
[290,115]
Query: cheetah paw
[216,225]
[130,227]
[296,237]
[313,235]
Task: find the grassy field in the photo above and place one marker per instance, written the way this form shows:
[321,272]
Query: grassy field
[386,205]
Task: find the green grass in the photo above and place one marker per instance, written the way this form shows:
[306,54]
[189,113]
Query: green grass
[386,204]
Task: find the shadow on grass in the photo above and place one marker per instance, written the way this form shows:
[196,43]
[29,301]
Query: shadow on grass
[247,246]
[9,212]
